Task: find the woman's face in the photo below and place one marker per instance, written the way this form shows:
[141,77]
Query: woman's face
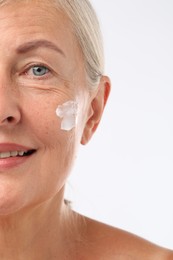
[41,67]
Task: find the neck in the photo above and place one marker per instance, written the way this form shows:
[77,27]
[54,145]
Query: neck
[34,233]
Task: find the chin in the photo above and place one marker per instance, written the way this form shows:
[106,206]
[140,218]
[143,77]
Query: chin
[8,208]
[10,202]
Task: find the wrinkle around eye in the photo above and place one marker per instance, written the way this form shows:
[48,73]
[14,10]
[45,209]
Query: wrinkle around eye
[51,80]
[58,69]
[58,88]
[51,77]
[52,93]
[28,79]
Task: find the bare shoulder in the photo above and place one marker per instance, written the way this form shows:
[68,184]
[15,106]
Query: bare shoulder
[104,242]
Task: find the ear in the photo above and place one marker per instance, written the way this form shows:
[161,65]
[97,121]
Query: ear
[96,108]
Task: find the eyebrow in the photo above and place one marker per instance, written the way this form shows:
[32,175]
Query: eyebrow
[32,45]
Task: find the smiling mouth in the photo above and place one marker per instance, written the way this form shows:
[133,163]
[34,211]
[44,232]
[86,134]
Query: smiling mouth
[12,154]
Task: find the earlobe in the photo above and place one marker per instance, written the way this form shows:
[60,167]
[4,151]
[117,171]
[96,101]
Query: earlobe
[96,108]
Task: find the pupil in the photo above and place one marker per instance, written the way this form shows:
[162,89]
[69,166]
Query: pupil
[40,71]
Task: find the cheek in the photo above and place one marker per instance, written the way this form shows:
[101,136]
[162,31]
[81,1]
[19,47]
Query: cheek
[49,129]
[54,120]
[39,111]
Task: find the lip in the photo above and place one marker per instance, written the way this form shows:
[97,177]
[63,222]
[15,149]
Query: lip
[6,147]
[11,162]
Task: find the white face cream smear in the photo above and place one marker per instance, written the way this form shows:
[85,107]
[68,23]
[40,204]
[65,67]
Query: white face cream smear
[68,112]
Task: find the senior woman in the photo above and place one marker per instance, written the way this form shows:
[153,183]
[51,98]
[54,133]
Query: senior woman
[52,95]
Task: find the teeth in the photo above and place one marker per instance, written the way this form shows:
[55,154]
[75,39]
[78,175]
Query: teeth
[14,153]
[21,153]
[5,155]
[11,154]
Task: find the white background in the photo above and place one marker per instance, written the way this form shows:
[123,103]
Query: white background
[124,176]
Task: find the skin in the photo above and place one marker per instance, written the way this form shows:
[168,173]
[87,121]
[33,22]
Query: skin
[34,221]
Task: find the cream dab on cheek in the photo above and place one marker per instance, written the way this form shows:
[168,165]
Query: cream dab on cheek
[68,113]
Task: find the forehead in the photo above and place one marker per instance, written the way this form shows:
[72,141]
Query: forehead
[35,19]
[34,11]
[51,3]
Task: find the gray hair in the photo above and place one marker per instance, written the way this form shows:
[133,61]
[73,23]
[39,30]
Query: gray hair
[88,34]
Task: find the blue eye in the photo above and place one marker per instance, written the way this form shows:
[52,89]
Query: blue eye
[39,70]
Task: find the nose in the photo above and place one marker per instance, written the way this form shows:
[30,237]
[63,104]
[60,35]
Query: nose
[9,108]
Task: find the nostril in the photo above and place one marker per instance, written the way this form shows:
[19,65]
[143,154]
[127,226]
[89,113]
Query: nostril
[10,119]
